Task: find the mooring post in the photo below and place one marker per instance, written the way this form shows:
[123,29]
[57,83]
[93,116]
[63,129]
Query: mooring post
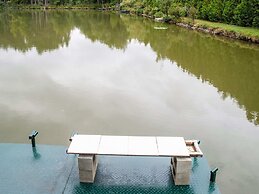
[213,174]
[71,137]
[32,137]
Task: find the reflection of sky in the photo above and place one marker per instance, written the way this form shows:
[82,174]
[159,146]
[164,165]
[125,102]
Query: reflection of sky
[113,86]
[94,89]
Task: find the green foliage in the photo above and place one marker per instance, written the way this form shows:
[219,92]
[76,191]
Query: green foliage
[165,5]
[238,12]
[256,20]
[175,13]
[244,13]
[140,11]
[154,11]
[228,12]
[183,11]
[159,14]
[214,10]
[147,10]
[203,13]
[192,13]
[1,5]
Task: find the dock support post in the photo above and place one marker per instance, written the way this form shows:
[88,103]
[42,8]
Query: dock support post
[181,170]
[32,138]
[87,165]
[213,174]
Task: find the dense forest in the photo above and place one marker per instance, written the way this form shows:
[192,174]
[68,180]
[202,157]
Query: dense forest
[237,12]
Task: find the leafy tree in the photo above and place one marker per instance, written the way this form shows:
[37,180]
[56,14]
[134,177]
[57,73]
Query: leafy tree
[214,10]
[174,12]
[165,5]
[192,13]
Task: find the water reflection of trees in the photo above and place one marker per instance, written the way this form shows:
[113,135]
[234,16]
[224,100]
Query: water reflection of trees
[43,30]
[48,30]
[232,69]
[104,27]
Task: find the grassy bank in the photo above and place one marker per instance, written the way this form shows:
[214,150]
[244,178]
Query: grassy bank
[246,31]
[242,33]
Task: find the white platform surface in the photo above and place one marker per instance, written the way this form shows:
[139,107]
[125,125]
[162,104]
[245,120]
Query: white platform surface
[142,146]
[168,145]
[128,145]
[114,145]
[84,144]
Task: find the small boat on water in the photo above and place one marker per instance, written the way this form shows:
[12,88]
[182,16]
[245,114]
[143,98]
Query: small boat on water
[160,28]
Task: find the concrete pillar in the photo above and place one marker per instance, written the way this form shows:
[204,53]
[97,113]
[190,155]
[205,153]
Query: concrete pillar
[87,165]
[181,170]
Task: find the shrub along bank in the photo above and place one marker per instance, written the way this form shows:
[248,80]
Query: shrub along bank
[236,12]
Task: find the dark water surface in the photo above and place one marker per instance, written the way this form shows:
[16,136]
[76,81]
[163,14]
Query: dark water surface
[102,73]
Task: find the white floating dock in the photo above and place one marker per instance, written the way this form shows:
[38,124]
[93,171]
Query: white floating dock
[89,146]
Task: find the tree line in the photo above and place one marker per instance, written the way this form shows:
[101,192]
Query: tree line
[237,12]
[56,2]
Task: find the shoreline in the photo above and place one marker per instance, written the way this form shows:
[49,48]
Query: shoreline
[208,30]
[217,31]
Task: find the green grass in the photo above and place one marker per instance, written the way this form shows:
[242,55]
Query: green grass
[246,31]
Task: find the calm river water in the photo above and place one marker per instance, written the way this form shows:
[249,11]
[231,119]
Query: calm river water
[103,73]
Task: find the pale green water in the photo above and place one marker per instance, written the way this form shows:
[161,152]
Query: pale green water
[101,73]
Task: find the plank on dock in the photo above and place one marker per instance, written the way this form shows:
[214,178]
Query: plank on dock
[142,146]
[168,146]
[128,145]
[84,144]
[114,145]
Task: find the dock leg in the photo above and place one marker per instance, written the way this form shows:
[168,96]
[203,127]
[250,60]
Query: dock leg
[87,165]
[181,170]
